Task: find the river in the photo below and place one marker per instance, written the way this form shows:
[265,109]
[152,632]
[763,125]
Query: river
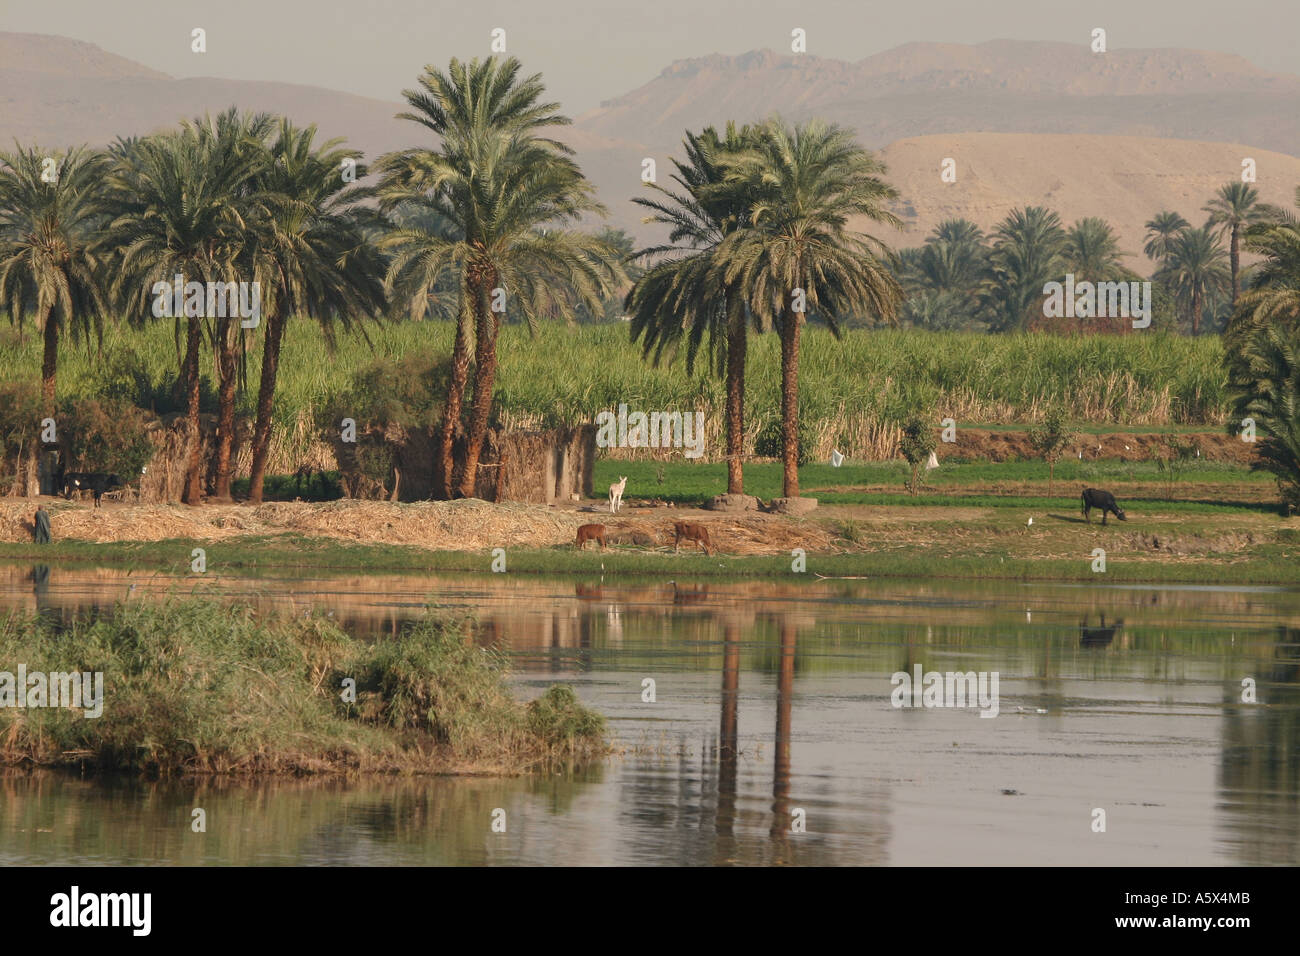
[772,735]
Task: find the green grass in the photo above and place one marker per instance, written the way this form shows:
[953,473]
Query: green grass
[194,686]
[1271,561]
[952,484]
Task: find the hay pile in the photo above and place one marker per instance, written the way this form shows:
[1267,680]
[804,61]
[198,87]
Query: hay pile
[438,525]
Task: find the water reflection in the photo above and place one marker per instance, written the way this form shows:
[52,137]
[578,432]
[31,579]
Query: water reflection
[773,697]
[1099,636]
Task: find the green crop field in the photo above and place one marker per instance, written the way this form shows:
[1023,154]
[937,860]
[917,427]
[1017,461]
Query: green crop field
[852,391]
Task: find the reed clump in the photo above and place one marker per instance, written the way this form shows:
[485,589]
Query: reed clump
[197,686]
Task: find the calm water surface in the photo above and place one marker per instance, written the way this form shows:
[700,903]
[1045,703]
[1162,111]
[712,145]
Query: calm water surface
[772,705]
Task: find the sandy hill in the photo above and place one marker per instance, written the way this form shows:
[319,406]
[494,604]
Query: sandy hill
[1123,179]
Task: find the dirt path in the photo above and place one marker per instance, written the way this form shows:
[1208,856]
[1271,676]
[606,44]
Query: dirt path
[474,525]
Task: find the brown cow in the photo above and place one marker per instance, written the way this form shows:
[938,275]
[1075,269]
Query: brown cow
[591,532]
[692,532]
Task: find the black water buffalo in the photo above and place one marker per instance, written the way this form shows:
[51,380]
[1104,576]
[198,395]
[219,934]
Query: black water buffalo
[96,482]
[1096,498]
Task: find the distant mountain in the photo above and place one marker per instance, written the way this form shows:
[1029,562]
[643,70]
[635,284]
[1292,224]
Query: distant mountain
[55,92]
[1000,86]
[1118,135]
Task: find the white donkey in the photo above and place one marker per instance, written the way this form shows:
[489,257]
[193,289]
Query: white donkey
[616,494]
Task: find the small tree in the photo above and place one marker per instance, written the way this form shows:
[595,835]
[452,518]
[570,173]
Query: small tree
[1050,439]
[917,444]
[1172,461]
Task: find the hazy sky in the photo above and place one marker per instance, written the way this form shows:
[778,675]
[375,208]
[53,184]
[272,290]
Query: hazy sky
[589,50]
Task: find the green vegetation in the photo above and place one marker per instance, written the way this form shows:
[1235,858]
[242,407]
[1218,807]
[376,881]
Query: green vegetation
[1050,438]
[849,389]
[1271,560]
[196,687]
[1173,461]
[1263,348]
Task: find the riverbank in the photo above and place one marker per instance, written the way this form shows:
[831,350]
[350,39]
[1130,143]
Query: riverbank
[204,687]
[1161,541]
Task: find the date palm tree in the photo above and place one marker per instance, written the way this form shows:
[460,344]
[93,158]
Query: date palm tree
[1264,380]
[1273,298]
[683,297]
[942,277]
[1161,229]
[1195,271]
[507,192]
[1091,250]
[1233,208]
[185,203]
[798,252]
[50,210]
[314,259]
[1027,252]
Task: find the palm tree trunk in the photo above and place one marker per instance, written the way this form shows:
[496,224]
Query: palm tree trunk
[50,362]
[1196,312]
[737,345]
[191,495]
[265,401]
[226,405]
[485,373]
[790,399]
[445,465]
[1234,255]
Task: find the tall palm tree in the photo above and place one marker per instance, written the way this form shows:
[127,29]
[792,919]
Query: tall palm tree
[1195,271]
[1091,253]
[314,259]
[1027,252]
[47,263]
[1273,298]
[235,133]
[1233,208]
[798,252]
[507,192]
[1161,229]
[184,203]
[684,297]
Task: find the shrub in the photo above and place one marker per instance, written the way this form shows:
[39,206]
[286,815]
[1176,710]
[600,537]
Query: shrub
[109,435]
[769,443]
[917,443]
